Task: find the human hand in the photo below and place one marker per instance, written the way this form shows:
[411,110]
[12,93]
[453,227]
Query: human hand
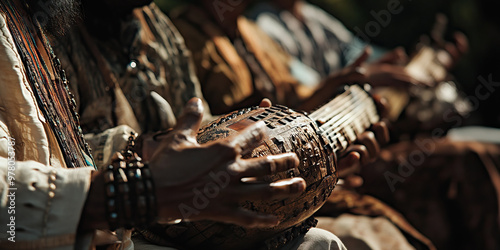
[448,53]
[331,84]
[396,56]
[207,181]
[365,150]
[389,70]
[384,74]
[455,49]
[148,143]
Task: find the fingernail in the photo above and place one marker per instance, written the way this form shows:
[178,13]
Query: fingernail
[296,185]
[299,186]
[195,105]
[354,156]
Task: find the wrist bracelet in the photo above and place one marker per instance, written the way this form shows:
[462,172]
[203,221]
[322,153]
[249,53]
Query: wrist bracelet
[111,206]
[130,193]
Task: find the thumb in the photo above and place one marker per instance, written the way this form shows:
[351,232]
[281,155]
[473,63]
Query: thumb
[367,51]
[190,120]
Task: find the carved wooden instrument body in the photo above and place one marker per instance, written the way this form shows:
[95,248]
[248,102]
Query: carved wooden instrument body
[316,139]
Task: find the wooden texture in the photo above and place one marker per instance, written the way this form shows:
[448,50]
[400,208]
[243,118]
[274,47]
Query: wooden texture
[315,141]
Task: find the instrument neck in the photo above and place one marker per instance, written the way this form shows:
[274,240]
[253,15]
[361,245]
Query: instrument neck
[345,117]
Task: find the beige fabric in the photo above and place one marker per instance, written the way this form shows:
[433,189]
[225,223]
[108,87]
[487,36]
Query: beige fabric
[18,106]
[49,198]
[316,239]
[41,219]
[105,144]
[363,232]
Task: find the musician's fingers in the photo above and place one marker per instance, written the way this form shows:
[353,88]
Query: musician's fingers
[362,151]
[190,120]
[243,217]
[267,165]
[348,164]
[395,56]
[249,138]
[370,142]
[265,103]
[352,181]
[381,132]
[271,191]
[403,79]
[392,75]
[401,56]
[367,51]
[382,105]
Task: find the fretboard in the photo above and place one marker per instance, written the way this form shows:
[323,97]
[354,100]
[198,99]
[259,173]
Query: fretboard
[346,116]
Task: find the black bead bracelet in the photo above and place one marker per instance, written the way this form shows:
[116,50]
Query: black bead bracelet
[129,187]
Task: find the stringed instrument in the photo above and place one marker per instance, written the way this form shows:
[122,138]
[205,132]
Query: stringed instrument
[317,139]
[424,108]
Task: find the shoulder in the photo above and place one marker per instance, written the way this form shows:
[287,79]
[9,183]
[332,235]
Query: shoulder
[270,20]
[262,9]
[327,21]
[9,57]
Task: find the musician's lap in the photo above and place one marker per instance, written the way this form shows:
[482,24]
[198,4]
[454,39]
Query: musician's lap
[317,239]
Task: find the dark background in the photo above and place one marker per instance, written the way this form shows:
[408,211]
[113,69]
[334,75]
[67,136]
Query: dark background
[478,19]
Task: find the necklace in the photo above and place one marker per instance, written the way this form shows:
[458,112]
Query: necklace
[53,95]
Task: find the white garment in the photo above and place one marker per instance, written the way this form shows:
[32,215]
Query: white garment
[46,199]
[315,239]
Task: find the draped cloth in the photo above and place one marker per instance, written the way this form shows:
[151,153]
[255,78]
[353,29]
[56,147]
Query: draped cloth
[448,190]
[38,133]
[49,85]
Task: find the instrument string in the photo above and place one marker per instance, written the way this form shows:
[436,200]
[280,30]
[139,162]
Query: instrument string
[346,116]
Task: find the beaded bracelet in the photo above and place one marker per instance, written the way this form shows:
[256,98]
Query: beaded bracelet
[131,200]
